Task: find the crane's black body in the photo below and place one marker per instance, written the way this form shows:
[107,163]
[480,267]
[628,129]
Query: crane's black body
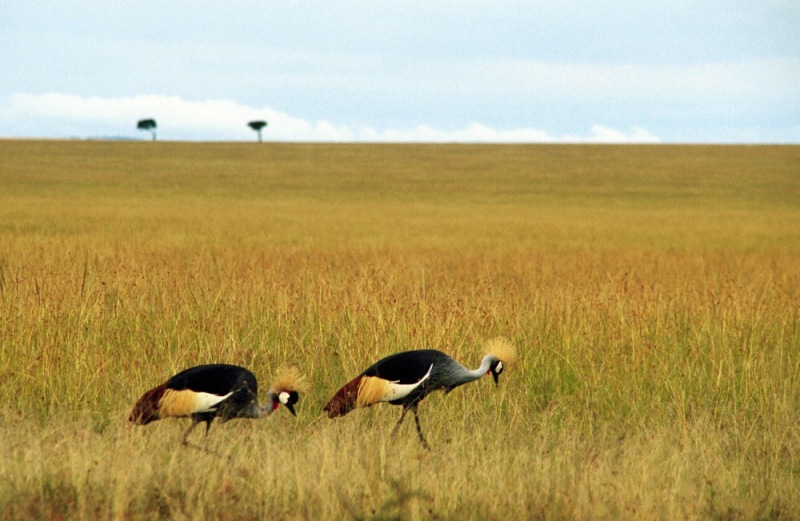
[220,380]
[410,367]
[405,379]
[206,392]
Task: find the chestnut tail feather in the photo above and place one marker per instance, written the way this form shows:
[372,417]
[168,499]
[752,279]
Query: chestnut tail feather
[344,400]
[147,408]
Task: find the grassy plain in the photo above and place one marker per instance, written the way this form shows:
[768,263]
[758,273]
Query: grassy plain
[653,293]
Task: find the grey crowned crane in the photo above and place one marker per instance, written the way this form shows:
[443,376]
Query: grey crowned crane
[213,391]
[406,378]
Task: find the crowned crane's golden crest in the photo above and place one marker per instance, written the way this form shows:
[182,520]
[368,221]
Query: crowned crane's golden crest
[288,379]
[502,348]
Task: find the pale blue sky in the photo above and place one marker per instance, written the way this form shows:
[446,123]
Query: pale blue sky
[371,70]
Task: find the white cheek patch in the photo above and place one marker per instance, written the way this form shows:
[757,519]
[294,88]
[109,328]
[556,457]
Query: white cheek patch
[283,397]
[499,368]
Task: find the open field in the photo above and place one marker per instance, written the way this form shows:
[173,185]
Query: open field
[653,293]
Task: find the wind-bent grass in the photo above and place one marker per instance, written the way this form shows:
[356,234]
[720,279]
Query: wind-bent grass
[652,292]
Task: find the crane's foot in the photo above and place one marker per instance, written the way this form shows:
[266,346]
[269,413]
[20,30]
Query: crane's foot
[424,443]
[207,451]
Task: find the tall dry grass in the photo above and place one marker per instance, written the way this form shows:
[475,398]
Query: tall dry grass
[652,292]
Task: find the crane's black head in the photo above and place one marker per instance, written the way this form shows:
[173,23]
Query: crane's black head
[288,399]
[284,389]
[495,369]
[501,352]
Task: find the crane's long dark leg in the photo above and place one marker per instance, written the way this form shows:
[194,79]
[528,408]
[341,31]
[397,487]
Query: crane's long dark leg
[190,429]
[196,419]
[399,422]
[195,422]
[419,428]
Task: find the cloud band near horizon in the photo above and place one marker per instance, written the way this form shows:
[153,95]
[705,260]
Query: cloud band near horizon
[58,115]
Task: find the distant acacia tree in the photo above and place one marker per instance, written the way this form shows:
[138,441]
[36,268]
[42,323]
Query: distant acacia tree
[148,125]
[257,126]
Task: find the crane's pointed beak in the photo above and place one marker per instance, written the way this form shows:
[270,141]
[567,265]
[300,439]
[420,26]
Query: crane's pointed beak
[291,409]
[496,378]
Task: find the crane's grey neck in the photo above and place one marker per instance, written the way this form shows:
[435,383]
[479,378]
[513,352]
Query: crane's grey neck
[259,411]
[463,375]
[268,408]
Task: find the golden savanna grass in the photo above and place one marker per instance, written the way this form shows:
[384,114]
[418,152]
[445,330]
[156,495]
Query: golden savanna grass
[651,293]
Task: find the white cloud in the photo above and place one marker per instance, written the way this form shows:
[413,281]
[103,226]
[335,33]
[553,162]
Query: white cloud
[603,134]
[222,120]
[472,133]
